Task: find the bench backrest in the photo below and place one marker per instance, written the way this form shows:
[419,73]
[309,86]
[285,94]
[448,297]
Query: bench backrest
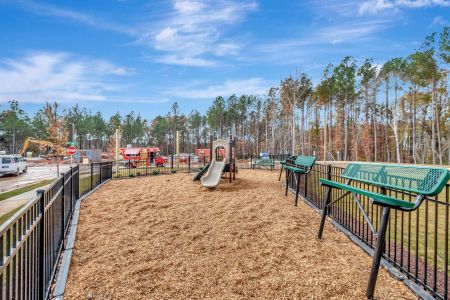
[414,179]
[305,161]
[264,160]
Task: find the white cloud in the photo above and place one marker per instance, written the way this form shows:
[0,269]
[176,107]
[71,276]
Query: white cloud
[45,76]
[188,7]
[79,17]
[439,21]
[224,49]
[192,33]
[349,32]
[253,86]
[195,30]
[315,42]
[376,6]
[185,61]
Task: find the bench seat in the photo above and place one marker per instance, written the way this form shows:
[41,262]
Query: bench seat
[406,179]
[295,169]
[380,199]
[301,165]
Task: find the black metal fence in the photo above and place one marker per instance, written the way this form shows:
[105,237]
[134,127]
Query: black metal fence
[185,164]
[417,243]
[32,240]
[136,168]
[91,175]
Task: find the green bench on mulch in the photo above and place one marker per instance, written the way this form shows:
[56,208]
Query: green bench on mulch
[418,181]
[290,160]
[264,162]
[302,165]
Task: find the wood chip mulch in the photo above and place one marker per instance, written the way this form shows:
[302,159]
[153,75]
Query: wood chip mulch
[166,237]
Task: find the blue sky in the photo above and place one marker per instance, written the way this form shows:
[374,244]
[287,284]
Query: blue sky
[123,55]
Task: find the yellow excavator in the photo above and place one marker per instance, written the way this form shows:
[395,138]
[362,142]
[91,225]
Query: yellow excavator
[49,148]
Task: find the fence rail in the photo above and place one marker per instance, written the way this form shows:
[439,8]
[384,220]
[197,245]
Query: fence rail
[417,243]
[184,164]
[32,240]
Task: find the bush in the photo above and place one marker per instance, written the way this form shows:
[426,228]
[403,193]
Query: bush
[155,172]
[131,175]
[173,171]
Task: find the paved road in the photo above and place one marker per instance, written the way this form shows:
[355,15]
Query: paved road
[34,174]
[14,202]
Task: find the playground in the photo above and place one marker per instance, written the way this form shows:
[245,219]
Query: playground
[167,237]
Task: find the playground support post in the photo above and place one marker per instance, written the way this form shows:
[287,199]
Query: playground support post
[210,148]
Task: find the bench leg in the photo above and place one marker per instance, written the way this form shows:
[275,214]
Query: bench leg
[324,212]
[378,252]
[298,188]
[281,172]
[287,182]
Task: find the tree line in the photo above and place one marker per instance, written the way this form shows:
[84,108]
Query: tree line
[395,112]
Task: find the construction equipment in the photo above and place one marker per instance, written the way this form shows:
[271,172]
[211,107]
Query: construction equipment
[47,146]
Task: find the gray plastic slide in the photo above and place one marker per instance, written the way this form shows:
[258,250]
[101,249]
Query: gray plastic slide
[212,177]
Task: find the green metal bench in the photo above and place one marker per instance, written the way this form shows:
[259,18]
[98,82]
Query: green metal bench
[264,162]
[290,160]
[302,165]
[413,180]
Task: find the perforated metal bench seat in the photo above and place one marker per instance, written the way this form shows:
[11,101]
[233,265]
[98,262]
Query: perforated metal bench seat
[295,169]
[412,180]
[380,199]
[301,165]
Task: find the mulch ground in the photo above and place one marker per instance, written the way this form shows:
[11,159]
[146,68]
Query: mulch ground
[165,237]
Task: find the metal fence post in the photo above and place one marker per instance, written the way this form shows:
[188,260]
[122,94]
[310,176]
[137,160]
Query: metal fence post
[171,162]
[189,164]
[92,176]
[41,252]
[77,183]
[63,208]
[71,188]
[101,167]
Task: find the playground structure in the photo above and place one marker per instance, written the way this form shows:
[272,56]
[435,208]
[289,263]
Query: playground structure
[221,160]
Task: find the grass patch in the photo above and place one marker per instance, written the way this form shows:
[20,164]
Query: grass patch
[85,183]
[6,195]
[6,217]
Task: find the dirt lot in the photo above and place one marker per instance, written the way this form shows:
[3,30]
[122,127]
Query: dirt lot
[166,237]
